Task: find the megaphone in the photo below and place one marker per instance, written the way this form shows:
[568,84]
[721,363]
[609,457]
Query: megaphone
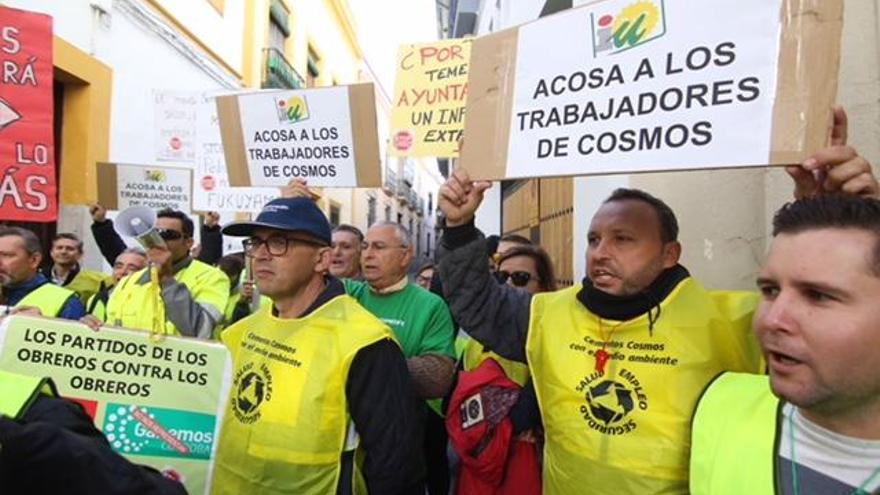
[139,222]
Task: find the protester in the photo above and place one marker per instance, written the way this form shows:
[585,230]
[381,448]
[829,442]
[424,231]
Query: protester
[191,295]
[652,337]
[65,270]
[425,275]
[128,262]
[813,426]
[309,369]
[50,445]
[421,323]
[346,260]
[25,289]
[499,451]
[209,251]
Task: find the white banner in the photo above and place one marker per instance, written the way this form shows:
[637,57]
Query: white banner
[211,189]
[623,85]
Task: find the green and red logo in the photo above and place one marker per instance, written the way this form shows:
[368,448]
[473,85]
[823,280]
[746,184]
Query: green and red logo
[153,431]
[617,27]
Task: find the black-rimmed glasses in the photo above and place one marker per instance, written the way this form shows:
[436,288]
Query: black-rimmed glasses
[276,245]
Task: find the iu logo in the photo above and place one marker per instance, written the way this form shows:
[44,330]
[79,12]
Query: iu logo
[618,29]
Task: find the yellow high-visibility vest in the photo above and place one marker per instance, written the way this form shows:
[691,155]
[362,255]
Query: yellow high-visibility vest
[87,283]
[49,297]
[627,430]
[733,447]
[287,423]
[475,354]
[130,304]
[97,307]
[18,392]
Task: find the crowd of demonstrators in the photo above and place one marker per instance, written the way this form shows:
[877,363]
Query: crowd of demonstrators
[66,253]
[349,373]
[614,424]
[637,380]
[813,426]
[24,288]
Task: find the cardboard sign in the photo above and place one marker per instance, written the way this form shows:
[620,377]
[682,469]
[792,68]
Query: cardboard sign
[159,403]
[211,190]
[121,186]
[327,136]
[625,86]
[429,97]
[28,188]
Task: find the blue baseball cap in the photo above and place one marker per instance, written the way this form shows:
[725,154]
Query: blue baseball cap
[290,214]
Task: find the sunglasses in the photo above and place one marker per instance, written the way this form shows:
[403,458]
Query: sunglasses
[519,279]
[169,235]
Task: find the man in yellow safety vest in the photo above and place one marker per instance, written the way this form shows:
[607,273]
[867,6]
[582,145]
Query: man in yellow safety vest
[813,426]
[316,378]
[619,361]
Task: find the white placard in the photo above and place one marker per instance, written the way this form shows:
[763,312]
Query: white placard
[211,190]
[626,85]
[155,187]
[175,124]
[307,134]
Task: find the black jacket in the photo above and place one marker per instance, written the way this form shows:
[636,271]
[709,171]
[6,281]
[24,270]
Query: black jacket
[56,448]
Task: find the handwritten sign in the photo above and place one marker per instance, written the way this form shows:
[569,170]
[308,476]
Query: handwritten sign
[429,102]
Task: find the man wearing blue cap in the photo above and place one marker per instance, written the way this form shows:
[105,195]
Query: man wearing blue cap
[315,376]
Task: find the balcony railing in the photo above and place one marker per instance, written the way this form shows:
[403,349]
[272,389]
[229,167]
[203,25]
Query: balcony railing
[278,73]
[390,185]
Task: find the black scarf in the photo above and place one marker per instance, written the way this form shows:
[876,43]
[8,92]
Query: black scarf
[622,308]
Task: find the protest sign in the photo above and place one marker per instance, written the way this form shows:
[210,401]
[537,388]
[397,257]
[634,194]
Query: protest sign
[327,136]
[429,97]
[626,86]
[121,186]
[211,190]
[28,187]
[160,403]
[175,126]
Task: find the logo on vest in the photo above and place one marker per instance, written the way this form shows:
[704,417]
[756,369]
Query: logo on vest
[609,401]
[253,387]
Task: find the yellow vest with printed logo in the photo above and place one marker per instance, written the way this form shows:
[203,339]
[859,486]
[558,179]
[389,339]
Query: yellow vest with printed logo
[131,304]
[627,430]
[733,447]
[18,392]
[49,298]
[287,423]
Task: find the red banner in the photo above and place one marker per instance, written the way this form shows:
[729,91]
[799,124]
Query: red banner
[27,149]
